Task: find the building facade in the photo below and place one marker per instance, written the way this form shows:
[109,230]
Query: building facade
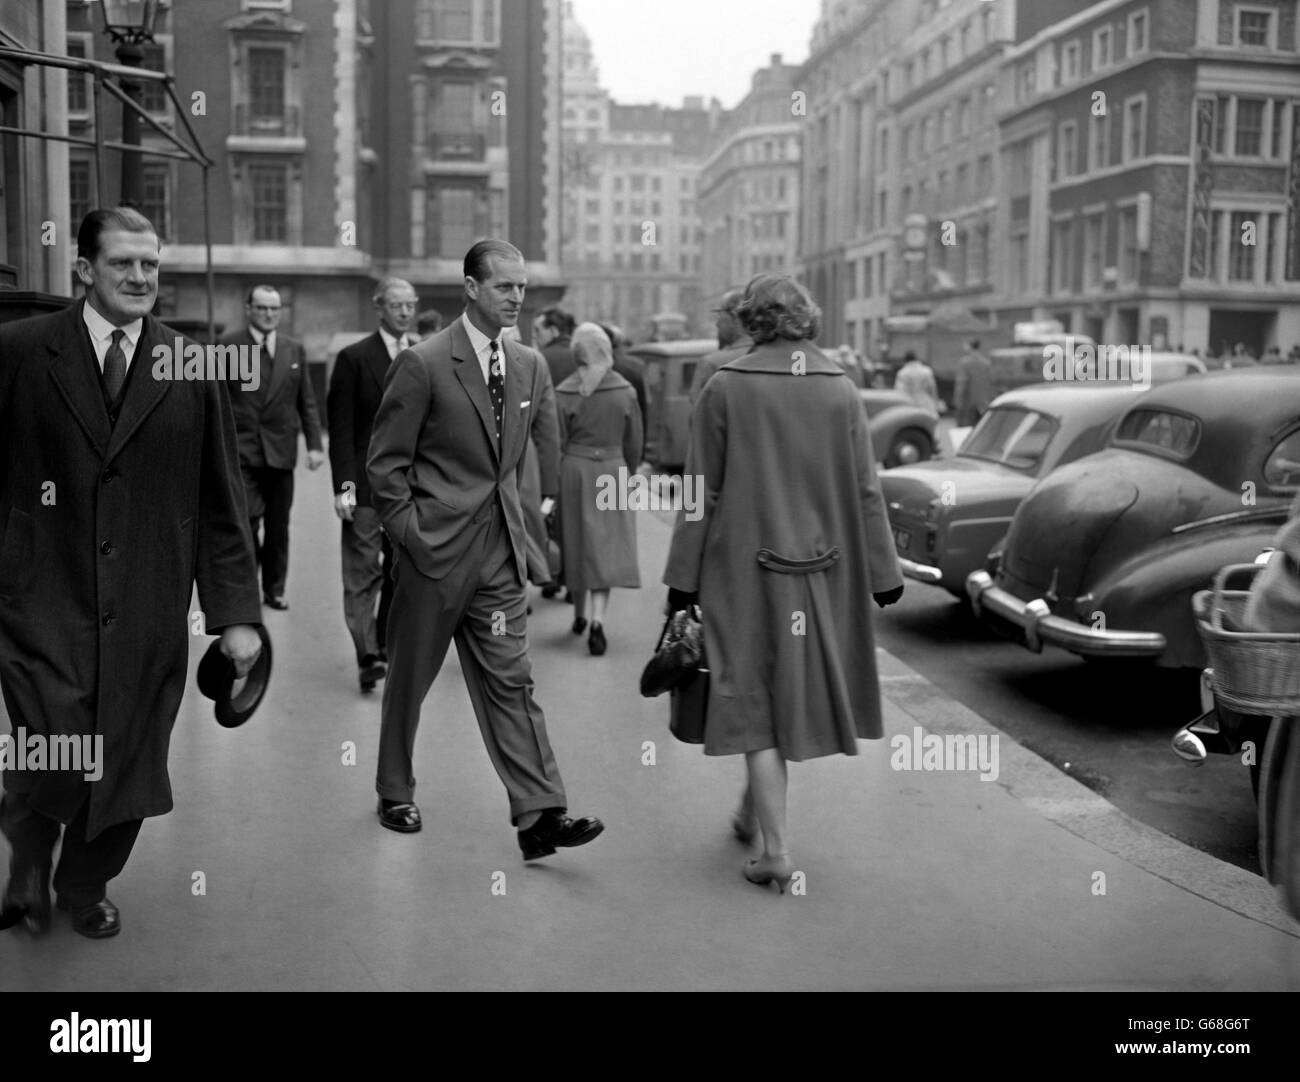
[749,186]
[1152,154]
[632,238]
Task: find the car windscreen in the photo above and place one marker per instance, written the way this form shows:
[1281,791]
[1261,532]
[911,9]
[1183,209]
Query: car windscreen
[1173,434]
[1013,436]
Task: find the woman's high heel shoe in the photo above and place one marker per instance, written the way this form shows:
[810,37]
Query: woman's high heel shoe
[596,640]
[579,624]
[765,870]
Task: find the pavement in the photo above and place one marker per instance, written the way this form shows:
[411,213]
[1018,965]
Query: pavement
[272,873]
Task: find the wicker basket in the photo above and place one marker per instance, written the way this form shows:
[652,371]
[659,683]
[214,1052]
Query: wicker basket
[1254,672]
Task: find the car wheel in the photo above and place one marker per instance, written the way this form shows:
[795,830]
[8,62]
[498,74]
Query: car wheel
[910,445]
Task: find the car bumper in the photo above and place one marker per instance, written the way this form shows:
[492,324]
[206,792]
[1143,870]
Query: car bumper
[1033,623]
[921,572]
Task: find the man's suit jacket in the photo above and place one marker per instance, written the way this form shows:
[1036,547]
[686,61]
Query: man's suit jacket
[268,420]
[356,386]
[104,529]
[559,359]
[434,464]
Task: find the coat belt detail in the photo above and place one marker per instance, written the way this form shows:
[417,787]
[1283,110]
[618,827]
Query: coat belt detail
[783,565]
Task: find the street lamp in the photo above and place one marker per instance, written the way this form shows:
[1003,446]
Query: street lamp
[130,23]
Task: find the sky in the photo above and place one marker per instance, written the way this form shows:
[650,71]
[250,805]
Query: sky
[663,50]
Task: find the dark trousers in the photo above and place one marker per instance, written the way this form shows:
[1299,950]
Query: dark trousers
[367,567]
[270,498]
[85,867]
[481,604]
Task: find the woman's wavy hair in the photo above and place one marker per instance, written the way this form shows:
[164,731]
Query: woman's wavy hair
[776,306]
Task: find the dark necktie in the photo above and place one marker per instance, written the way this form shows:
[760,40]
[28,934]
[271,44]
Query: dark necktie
[268,360]
[115,366]
[497,384]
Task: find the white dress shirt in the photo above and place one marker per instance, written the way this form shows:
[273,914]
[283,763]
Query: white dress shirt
[101,335]
[482,346]
[395,346]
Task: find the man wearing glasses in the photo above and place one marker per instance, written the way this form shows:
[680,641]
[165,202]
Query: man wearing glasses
[355,388]
[268,417]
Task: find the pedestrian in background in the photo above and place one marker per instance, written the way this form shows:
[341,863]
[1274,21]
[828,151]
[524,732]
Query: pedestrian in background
[974,389]
[600,431]
[733,342]
[916,380]
[428,323]
[267,422]
[630,368]
[793,542]
[356,386]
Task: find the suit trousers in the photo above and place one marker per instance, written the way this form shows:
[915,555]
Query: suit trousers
[367,567]
[84,867]
[270,496]
[481,604]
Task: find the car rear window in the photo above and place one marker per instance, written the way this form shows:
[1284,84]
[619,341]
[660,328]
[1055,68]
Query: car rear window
[1172,433]
[1011,435]
[1282,468]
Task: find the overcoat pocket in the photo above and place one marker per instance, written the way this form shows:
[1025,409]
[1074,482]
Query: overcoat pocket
[16,551]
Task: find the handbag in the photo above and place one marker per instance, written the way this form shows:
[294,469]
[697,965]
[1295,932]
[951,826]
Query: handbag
[678,654]
[679,667]
[554,556]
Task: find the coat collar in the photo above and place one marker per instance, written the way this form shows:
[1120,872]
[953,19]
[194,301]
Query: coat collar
[74,371]
[612,381]
[781,357]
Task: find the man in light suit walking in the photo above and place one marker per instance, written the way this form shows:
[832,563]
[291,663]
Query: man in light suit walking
[446,457]
[267,421]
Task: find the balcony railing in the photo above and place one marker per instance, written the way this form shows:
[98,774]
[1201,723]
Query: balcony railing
[457,146]
[286,124]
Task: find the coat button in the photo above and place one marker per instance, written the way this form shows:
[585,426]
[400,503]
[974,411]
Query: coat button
[108,476]
[106,547]
[108,618]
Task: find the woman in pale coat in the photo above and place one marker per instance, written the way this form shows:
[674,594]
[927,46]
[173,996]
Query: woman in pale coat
[793,543]
[600,431]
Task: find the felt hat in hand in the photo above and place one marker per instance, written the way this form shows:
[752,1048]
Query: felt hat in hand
[216,680]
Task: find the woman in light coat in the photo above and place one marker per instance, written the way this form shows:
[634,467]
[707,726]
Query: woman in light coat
[792,545]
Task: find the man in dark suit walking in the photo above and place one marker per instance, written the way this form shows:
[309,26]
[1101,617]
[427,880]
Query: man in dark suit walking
[119,487]
[267,421]
[356,385]
[553,335]
[446,458]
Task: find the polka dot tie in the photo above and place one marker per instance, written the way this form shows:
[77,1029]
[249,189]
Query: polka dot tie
[497,384]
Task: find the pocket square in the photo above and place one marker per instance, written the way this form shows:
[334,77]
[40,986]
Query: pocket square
[525,405]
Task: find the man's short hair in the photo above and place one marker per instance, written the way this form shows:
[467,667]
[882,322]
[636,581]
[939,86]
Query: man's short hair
[476,259]
[262,286]
[386,284]
[730,301]
[428,322]
[559,320]
[97,222]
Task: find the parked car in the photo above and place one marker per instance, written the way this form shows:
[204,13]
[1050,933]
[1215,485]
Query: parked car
[900,431]
[1104,553]
[1022,365]
[948,513]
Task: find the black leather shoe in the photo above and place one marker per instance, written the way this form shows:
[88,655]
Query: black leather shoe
[373,670]
[596,640]
[271,603]
[27,900]
[99,920]
[403,818]
[550,591]
[553,829]
[579,625]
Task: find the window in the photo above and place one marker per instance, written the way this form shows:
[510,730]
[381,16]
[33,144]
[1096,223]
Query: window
[1255,28]
[1250,128]
[1063,257]
[153,95]
[1094,236]
[963,117]
[1099,142]
[593,207]
[882,162]
[1129,257]
[906,150]
[78,94]
[927,128]
[1026,81]
[1101,48]
[592,234]
[1067,149]
[1241,255]
[883,215]
[1019,262]
[270,202]
[454,21]
[80,195]
[945,127]
[1270,252]
[1135,128]
[1216,244]
[1070,62]
[154,202]
[266,87]
[963,183]
[618,184]
[1171,432]
[984,176]
[964,40]
[1222,107]
[867,285]
[1275,141]
[1137,33]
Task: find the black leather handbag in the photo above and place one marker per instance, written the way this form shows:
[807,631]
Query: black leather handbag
[679,667]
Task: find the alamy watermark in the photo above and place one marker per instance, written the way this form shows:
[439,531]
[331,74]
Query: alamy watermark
[232,363]
[631,491]
[70,752]
[950,753]
[1084,361]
